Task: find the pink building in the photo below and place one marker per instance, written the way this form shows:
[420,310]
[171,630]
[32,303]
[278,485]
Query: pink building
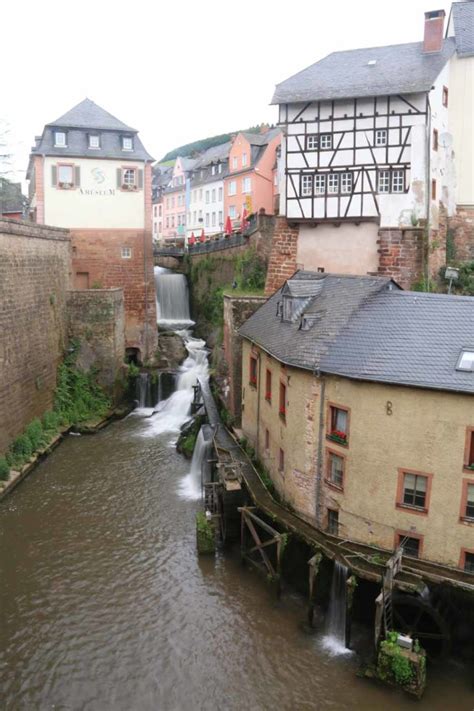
[174,200]
[250,183]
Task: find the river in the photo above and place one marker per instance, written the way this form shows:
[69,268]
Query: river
[105,604]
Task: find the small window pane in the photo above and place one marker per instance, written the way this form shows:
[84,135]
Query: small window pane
[398,181]
[127,143]
[384,181]
[65,175]
[333,183]
[346,182]
[411,546]
[333,522]
[469,562]
[326,140]
[306,185]
[470,501]
[414,490]
[381,137]
[466,361]
[312,142]
[60,139]
[126,252]
[94,142]
[319,184]
[129,176]
[336,469]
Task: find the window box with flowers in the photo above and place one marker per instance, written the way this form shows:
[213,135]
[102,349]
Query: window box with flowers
[338,436]
[125,186]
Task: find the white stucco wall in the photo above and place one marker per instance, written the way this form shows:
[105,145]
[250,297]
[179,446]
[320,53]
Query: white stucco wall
[98,202]
[461,125]
[347,249]
[198,204]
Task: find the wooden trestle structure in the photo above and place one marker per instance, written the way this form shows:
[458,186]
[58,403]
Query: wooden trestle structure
[240,503]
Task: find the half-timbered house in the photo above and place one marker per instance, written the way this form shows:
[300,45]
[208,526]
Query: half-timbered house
[368,149]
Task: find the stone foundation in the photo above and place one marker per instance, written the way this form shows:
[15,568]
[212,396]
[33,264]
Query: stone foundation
[282,263]
[401,255]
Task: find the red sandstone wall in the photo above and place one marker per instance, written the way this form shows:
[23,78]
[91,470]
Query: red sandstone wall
[462,227]
[401,255]
[34,278]
[97,254]
[282,263]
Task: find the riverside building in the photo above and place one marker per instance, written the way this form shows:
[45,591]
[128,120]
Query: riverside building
[89,172]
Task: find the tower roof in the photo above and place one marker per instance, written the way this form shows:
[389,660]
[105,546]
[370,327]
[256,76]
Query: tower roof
[87,114]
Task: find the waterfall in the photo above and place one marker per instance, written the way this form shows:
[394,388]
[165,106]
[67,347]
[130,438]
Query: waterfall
[143,389]
[335,639]
[191,486]
[148,390]
[172,299]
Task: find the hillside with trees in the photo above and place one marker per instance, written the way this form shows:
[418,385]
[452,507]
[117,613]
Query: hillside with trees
[196,147]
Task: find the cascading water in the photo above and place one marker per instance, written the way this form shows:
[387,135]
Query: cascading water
[172,300]
[143,390]
[335,639]
[191,486]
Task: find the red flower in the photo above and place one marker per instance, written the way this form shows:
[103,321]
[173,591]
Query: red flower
[338,433]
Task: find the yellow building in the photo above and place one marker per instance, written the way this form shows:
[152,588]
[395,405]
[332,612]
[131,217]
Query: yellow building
[358,398]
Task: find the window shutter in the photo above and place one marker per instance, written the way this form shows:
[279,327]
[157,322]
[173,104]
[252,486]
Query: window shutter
[54,175]
[77,176]
[140,179]
[119,177]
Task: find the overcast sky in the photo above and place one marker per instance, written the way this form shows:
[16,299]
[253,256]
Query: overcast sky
[176,71]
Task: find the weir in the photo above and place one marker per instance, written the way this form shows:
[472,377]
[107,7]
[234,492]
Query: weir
[172,300]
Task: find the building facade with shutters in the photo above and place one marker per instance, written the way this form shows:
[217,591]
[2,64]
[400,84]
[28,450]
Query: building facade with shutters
[358,398]
[89,172]
[373,156]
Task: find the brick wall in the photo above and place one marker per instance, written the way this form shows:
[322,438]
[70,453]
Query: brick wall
[98,254]
[96,317]
[401,255]
[282,262]
[34,278]
[461,227]
[236,311]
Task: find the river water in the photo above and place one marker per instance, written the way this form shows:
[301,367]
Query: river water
[105,604]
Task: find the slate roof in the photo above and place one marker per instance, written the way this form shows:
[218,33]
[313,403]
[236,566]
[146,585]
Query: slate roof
[78,122]
[399,69]
[463,19]
[87,114]
[213,155]
[365,328]
[336,298]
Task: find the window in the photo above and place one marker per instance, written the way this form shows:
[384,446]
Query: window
[281,461]
[384,181]
[466,360]
[468,562]
[60,139]
[172,220]
[207,219]
[200,215]
[335,469]
[172,202]
[232,190]
[213,195]
[253,371]
[232,213]
[411,545]
[312,142]
[325,141]
[129,178]
[127,143]
[167,222]
[213,221]
[267,439]
[268,386]
[346,183]
[435,139]
[333,183]
[154,210]
[221,219]
[126,252]
[282,404]
[445,95]
[306,185]
[246,185]
[213,170]
[65,176]
[244,159]
[219,168]
[220,195]
[333,522]
[433,189]
[207,197]
[338,424]
[94,141]
[398,181]
[234,162]
[200,194]
[194,217]
[467,507]
[319,184]
[469,449]
[415,491]
[159,210]
[381,137]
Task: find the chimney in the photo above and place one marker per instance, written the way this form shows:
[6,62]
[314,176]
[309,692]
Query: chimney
[434,26]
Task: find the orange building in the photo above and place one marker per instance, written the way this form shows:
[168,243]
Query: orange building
[250,184]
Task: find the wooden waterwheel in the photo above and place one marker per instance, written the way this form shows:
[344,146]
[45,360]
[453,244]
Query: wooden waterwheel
[423,620]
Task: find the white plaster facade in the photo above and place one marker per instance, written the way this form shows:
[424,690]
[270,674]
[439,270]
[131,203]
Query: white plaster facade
[206,208]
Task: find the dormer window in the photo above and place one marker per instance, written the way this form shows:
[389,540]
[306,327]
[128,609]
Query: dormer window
[219,168]
[127,143]
[94,141]
[60,139]
[466,360]
[213,170]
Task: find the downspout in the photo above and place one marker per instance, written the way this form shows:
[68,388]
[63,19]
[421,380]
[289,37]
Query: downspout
[145,260]
[319,466]
[428,191]
[258,406]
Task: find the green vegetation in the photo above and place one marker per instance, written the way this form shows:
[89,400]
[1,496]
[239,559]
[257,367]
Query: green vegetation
[51,423]
[464,286]
[191,149]
[187,444]
[395,666]
[250,271]
[4,469]
[205,536]
[36,434]
[78,396]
